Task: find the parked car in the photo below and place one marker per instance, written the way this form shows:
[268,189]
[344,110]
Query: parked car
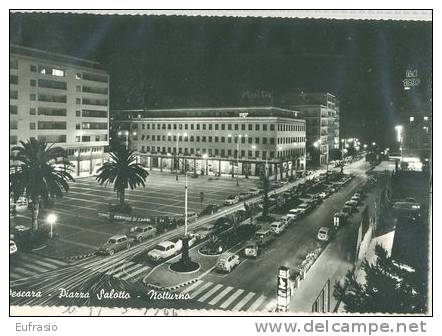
[254,191]
[324,233]
[251,249]
[210,209]
[114,244]
[347,210]
[323,194]
[163,251]
[352,203]
[191,216]
[276,184]
[244,195]
[287,220]
[12,247]
[294,213]
[203,232]
[277,227]
[227,261]
[232,199]
[264,236]
[140,233]
[304,207]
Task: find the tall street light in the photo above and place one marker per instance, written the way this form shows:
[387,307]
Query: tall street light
[176,152]
[317,144]
[51,219]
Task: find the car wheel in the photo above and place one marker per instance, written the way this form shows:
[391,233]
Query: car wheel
[111,252]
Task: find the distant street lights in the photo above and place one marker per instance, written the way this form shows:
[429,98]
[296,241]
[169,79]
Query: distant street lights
[399,137]
[51,219]
[126,134]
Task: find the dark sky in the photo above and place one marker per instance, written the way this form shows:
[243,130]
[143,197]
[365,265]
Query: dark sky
[159,61]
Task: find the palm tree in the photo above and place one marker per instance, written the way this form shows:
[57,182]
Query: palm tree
[43,172]
[264,183]
[123,171]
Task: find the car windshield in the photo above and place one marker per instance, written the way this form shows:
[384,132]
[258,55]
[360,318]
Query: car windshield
[112,241]
[160,248]
[11,244]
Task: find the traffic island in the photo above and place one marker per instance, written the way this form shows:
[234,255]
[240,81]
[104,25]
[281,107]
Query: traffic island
[185,267]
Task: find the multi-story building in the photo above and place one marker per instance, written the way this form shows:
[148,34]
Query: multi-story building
[60,99]
[243,140]
[416,137]
[321,113]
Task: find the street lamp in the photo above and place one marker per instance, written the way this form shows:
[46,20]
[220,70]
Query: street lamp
[126,134]
[205,157]
[51,219]
[176,152]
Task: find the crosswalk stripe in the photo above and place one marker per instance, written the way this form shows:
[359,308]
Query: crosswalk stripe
[143,269]
[22,270]
[192,287]
[257,303]
[54,261]
[243,302]
[220,296]
[232,298]
[105,266]
[15,276]
[200,290]
[209,293]
[126,268]
[42,263]
[35,268]
[119,268]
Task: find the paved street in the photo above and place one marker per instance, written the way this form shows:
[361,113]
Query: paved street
[255,279]
[25,265]
[81,231]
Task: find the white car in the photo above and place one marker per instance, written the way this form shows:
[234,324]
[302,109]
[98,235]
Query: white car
[324,233]
[254,191]
[227,261]
[163,250]
[232,199]
[12,247]
[277,227]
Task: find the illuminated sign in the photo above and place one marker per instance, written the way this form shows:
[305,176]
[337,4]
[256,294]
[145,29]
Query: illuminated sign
[283,289]
[411,79]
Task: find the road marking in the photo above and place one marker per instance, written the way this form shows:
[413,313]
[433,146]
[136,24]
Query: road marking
[22,270]
[257,303]
[244,301]
[77,243]
[143,269]
[220,296]
[209,293]
[35,268]
[125,270]
[191,287]
[100,266]
[232,298]
[200,290]
[15,276]
[119,268]
[271,305]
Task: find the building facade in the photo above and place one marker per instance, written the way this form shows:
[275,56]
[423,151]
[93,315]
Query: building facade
[417,137]
[60,99]
[321,113]
[243,141]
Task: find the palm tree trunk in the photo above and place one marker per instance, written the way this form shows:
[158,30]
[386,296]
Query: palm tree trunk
[35,210]
[121,194]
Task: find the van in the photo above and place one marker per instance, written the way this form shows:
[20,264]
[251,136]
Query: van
[227,261]
[251,249]
[277,227]
[324,233]
[264,236]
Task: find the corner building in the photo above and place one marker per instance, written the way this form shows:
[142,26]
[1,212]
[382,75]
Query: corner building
[214,141]
[60,99]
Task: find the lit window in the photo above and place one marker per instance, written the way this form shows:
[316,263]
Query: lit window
[411,119]
[426,118]
[58,72]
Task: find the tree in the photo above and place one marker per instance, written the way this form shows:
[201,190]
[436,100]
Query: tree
[389,287]
[123,171]
[43,173]
[264,183]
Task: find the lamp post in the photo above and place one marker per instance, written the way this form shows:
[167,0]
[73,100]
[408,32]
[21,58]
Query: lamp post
[176,153]
[51,219]
[205,157]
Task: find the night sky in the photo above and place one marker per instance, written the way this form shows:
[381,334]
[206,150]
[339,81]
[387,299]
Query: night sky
[160,62]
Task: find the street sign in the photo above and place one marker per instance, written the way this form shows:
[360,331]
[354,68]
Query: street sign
[283,289]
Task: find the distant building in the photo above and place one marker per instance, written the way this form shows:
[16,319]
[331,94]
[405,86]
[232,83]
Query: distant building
[417,137]
[321,113]
[60,99]
[241,140]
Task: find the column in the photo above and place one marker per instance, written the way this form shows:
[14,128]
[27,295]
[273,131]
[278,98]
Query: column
[161,164]
[219,167]
[150,163]
[171,164]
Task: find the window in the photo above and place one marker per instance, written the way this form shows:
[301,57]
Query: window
[13,79]
[203,139]
[264,141]
[78,88]
[77,101]
[13,109]
[77,113]
[223,127]
[210,139]
[229,127]
[250,127]
[243,139]
[210,127]
[272,141]
[77,126]
[223,139]
[52,125]
[229,152]
[33,96]
[185,126]
[174,126]
[216,139]
[198,127]
[257,141]
[12,124]
[249,153]
[33,68]
[243,127]
[204,126]
[97,138]
[191,126]
[243,153]
[250,140]
[264,127]
[272,127]
[216,127]
[236,127]
[257,154]
[86,138]
[257,127]
[32,111]
[169,126]
[229,139]
[13,64]
[32,125]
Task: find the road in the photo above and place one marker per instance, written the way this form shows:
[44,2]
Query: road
[98,271]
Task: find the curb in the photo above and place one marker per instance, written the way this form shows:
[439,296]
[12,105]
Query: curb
[79,257]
